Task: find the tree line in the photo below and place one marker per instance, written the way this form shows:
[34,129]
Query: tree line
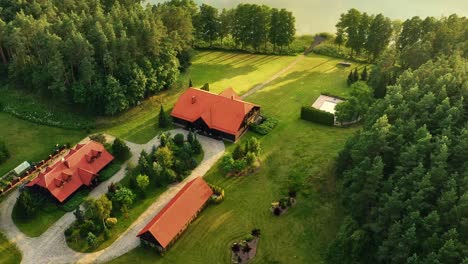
[248,25]
[404,181]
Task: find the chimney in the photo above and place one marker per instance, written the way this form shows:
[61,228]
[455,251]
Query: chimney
[194,99]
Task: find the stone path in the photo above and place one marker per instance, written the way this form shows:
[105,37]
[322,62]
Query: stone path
[51,247]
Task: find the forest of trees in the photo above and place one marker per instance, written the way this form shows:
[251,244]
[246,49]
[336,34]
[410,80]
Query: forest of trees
[404,176]
[107,55]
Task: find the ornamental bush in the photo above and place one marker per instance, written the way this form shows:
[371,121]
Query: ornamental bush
[317,116]
[120,150]
[267,124]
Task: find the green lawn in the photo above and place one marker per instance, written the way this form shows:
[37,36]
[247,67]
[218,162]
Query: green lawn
[296,152]
[30,141]
[47,214]
[9,254]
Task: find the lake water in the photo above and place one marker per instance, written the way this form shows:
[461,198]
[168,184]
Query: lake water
[314,16]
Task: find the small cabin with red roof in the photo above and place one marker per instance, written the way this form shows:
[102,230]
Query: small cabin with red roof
[222,115]
[175,217]
[79,167]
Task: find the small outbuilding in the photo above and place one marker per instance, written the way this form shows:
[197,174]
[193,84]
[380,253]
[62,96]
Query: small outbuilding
[175,217]
[20,169]
[327,103]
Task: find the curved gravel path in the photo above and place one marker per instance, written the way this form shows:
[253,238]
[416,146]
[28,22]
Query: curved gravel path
[51,247]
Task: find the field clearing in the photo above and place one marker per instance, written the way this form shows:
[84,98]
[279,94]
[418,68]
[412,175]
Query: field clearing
[29,141]
[295,153]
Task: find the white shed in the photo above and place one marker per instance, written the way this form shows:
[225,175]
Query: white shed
[22,168]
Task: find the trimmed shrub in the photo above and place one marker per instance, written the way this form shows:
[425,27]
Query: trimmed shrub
[267,124]
[111,221]
[179,139]
[317,116]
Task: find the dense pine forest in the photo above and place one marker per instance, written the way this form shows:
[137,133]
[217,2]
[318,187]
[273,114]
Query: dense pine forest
[108,55]
[405,175]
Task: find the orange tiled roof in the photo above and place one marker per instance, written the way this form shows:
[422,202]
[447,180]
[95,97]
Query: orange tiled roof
[224,112]
[77,168]
[173,218]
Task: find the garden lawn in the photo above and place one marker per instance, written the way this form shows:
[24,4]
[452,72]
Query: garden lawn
[220,69]
[47,214]
[29,141]
[295,153]
[9,254]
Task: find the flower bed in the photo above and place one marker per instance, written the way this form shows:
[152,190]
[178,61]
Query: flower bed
[280,207]
[246,249]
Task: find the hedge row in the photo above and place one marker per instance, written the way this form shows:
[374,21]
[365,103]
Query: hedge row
[318,116]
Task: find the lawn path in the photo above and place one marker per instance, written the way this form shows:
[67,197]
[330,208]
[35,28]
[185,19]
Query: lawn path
[274,77]
[51,246]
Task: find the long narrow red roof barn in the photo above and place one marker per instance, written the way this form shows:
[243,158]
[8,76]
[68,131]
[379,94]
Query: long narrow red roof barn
[178,213]
[79,167]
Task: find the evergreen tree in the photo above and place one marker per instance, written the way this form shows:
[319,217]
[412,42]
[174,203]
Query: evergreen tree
[364,74]
[164,119]
[206,87]
[355,75]
[350,79]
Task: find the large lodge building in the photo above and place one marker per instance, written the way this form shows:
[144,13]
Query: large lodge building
[222,115]
[79,167]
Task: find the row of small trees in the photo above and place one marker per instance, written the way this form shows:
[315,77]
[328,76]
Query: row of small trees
[249,25]
[354,76]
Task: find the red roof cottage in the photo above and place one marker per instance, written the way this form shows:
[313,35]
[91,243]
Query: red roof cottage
[172,220]
[222,115]
[79,167]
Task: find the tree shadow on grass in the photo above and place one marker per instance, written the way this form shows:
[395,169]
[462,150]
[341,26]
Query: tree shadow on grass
[209,73]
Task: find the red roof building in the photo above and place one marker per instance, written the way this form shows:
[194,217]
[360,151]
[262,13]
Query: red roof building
[79,167]
[222,115]
[165,227]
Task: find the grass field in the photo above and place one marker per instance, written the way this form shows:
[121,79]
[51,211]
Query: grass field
[9,254]
[295,153]
[220,69]
[29,141]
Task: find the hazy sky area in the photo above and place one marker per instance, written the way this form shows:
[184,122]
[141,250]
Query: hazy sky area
[314,16]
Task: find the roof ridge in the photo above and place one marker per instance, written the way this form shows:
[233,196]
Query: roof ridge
[157,217]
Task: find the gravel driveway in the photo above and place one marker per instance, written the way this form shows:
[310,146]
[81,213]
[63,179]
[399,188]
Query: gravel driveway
[51,247]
